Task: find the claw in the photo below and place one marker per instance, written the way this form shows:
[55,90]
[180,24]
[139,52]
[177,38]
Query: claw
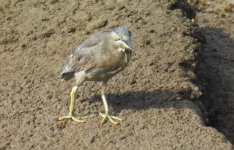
[111,118]
[79,119]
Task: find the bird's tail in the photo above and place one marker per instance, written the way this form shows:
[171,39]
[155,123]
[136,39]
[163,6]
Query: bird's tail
[67,75]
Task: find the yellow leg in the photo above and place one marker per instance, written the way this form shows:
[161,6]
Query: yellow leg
[71,107]
[106,115]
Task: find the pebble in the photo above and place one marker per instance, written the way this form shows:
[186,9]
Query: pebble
[97,24]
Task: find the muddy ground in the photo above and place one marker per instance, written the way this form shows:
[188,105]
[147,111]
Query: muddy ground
[156,95]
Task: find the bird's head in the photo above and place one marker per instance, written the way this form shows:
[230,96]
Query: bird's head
[124,37]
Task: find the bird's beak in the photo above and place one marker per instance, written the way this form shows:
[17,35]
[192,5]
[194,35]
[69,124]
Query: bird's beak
[127,44]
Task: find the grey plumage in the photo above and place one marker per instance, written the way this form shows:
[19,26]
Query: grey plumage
[98,58]
[100,55]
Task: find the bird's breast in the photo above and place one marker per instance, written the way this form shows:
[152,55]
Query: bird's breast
[109,65]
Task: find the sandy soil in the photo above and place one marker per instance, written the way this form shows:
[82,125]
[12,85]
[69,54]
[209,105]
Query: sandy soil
[217,66]
[156,94]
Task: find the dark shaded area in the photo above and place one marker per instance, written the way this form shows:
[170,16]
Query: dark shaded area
[187,10]
[141,100]
[215,73]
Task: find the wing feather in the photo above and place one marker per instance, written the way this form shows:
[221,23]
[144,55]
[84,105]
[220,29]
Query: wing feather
[84,55]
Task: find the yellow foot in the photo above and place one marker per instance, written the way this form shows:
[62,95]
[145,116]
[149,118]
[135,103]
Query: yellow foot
[79,119]
[111,118]
[140,44]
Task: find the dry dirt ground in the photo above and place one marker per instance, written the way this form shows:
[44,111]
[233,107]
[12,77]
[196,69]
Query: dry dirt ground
[216,20]
[156,94]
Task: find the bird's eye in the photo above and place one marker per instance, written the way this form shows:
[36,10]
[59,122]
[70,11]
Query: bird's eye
[121,36]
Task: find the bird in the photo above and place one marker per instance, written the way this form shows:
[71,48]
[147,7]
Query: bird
[98,58]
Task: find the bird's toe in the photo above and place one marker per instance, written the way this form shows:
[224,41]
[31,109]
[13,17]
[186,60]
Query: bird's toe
[77,119]
[112,119]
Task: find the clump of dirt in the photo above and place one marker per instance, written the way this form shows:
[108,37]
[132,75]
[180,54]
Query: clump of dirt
[154,94]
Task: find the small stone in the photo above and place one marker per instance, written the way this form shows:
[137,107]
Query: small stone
[23,45]
[71,30]
[82,16]
[97,24]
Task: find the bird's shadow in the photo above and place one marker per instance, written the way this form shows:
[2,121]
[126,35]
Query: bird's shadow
[142,100]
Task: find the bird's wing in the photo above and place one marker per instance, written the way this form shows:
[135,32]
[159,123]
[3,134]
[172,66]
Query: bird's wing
[85,54]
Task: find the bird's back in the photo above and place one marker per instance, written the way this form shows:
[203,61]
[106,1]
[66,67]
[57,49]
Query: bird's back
[94,56]
[81,55]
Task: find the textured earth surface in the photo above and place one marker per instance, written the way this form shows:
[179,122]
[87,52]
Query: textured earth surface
[217,65]
[156,94]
